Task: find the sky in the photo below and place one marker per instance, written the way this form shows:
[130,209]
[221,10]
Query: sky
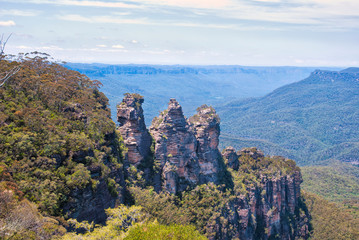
[200,32]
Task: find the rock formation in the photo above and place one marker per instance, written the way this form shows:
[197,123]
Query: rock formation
[252,152]
[231,157]
[206,129]
[175,149]
[133,129]
[186,155]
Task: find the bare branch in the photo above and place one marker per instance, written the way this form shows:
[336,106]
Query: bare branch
[3,43]
[8,75]
[14,70]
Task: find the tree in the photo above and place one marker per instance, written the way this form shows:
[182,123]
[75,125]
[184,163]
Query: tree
[6,75]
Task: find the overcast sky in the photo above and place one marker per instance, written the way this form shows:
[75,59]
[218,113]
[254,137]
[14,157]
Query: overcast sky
[234,32]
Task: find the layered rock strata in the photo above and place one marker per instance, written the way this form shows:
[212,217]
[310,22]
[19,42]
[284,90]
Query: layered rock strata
[271,209]
[133,129]
[175,149]
[263,204]
[206,129]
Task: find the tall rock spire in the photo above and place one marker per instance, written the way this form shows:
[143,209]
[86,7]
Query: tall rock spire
[133,129]
[175,149]
[206,129]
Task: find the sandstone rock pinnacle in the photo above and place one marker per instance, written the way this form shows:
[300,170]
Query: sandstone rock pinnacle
[175,149]
[133,129]
[206,128]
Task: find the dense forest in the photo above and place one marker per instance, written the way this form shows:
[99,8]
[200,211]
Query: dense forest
[310,121]
[62,173]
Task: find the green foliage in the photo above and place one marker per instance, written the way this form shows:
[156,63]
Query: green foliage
[208,207]
[80,178]
[19,219]
[132,223]
[330,221]
[201,207]
[55,127]
[161,232]
[336,181]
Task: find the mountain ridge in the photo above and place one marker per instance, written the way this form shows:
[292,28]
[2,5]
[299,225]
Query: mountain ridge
[306,111]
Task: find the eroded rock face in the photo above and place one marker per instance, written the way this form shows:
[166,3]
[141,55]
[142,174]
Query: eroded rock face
[206,129]
[133,129]
[270,210]
[262,215]
[175,149]
[231,157]
[186,154]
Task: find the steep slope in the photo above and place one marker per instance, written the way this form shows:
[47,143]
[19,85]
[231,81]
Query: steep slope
[309,121]
[62,160]
[58,142]
[191,85]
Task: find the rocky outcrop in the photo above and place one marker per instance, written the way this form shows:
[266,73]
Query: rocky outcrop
[270,211]
[252,152]
[270,207]
[265,204]
[206,129]
[133,129]
[175,149]
[231,158]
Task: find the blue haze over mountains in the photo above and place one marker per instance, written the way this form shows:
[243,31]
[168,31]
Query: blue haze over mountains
[192,86]
[272,108]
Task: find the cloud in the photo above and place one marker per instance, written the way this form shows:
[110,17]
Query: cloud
[142,21]
[118,46]
[210,4]
[103,19]
[23,47]
[7,23]
[47,48]
[75,17]
[101,45]
[16,12]
[105,4]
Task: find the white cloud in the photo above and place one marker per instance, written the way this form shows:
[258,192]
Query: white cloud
[134,41]
[211,4]
[75,17]
[47,48]
[268,1]
[105,4]
[16,12]
[101,45]
[118,46]
[51,48]
[103,19]
[23,47]
[7,23]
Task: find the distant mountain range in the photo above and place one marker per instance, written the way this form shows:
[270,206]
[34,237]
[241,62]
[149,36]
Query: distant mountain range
[309,121]
[192,86]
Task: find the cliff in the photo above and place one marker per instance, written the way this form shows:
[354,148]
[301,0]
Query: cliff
[60,150]
[263,193]
[133,129]
[175,149]
[271,206]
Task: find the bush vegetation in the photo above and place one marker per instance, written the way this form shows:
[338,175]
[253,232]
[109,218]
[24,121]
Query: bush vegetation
[55,127]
